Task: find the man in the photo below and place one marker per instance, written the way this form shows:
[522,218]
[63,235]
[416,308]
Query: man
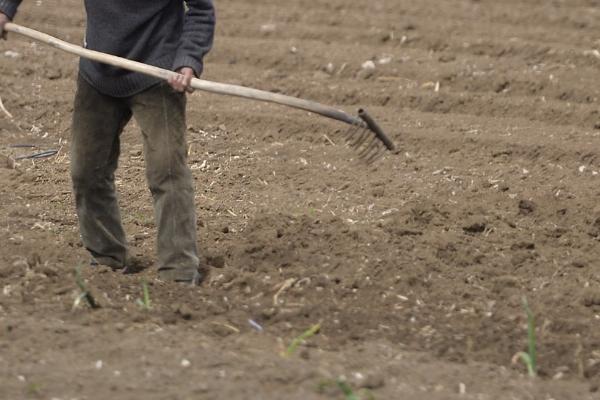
[174,34]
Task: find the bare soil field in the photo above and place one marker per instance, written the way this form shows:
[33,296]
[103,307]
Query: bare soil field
[415,268]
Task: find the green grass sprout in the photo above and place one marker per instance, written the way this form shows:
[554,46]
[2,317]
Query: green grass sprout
[351,395]
[144,302]
[85,293]
[347,391]
[291,349]
[34,389]
[529,357]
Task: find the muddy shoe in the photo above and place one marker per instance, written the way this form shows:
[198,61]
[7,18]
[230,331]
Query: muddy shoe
[193,277]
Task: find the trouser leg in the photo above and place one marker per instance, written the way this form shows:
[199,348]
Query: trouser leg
[98,121]
[160,112]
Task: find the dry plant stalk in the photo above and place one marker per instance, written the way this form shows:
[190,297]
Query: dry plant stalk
[4,110]
[284,286]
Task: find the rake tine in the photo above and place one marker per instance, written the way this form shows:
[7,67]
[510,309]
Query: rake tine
[359,136]
[375,156]
[364,147]
[354,128]
[367,149]
[372,150]
[366,134]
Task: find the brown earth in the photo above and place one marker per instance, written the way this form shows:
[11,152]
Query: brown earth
[415,269]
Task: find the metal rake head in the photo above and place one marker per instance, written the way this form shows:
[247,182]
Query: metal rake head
[367,138]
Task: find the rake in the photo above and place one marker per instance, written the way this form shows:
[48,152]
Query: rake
[364,134]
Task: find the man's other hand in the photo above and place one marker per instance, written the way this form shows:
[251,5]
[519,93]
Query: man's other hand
[181,82]
[3,20]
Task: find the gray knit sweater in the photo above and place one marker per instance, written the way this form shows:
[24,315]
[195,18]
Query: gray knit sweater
[164,33]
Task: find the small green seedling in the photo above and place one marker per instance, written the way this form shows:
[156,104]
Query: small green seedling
[291,349]
[347,390]
[34,389]
[144,302]
[349,393]
[85,293]
[529,358]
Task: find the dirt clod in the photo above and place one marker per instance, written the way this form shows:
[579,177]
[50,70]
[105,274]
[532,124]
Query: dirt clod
[591,297]
[217,261]
[184,311]
[526,207]
[372,381]
[475,227]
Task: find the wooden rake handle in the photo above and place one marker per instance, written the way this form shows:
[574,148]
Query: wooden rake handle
[199,84]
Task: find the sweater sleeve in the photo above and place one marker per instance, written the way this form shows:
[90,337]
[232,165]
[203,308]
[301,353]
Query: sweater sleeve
[9,7]
[197,37]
